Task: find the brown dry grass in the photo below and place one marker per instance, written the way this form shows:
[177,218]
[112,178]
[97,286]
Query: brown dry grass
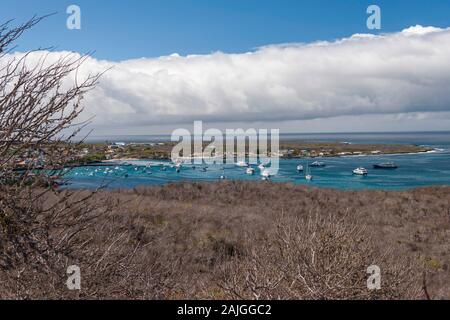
[235,240]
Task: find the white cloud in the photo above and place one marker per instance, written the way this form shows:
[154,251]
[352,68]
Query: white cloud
[398,73]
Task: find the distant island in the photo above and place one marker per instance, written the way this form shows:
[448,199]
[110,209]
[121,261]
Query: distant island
[288,149]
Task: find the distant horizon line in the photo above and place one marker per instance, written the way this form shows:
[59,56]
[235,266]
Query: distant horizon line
[289,133]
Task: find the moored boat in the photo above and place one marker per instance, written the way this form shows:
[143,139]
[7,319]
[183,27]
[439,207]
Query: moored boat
[385,165]
[242,164]
[308,175]
[265,174]
[250,171]
[318,164]
[360,171]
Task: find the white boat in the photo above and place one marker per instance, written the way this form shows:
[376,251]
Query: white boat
[360,171]
[250,171]
[299,168]
[318,164]
[261,167]
[222,177]
[242,164]
[308,175]
[265,173]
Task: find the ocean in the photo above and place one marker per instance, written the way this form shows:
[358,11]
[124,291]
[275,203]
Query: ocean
[414,170]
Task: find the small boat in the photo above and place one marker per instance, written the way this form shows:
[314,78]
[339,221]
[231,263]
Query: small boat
[360,171]
[261,167]
[299,168]
[385,165]
[250,171]
[178,170]
[242,164]
[318,164]
[308,175]
[203,169]
[265,174]
[223,177]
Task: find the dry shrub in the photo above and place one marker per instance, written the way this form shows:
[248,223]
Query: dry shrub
[235,240]
[321,257]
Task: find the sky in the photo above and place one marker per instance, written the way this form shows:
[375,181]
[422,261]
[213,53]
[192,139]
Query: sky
[301,66]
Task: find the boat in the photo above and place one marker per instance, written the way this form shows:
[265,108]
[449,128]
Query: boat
[318,164]
[250,171]
[265,174]
[299,168]
[360,171]
[261,167]
[242,164]
[308,175]
[223,177]
[385,165]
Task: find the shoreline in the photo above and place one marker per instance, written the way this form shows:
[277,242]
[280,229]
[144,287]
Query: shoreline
[435,150]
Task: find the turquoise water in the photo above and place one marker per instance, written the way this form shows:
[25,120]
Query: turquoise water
[415,170]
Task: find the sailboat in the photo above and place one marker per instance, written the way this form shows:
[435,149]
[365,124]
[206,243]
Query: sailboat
[265,174]
[223,177]
[308,175]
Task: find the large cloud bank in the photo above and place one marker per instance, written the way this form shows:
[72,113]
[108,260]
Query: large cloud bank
[402,72]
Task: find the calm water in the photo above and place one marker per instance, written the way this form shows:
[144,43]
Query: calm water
[414,170]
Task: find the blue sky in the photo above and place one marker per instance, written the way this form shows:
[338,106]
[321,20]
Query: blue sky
[119,30]
[396,82]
